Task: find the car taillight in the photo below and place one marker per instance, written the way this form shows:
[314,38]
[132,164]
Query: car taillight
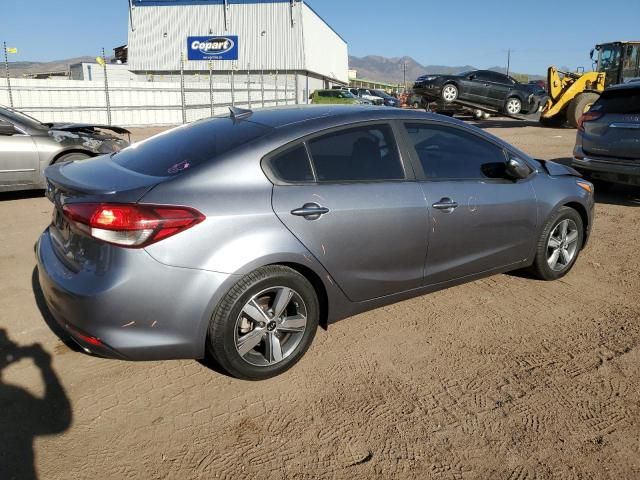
[588,117]
[130,225]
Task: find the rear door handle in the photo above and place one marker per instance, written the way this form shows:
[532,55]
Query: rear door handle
[310,211]
[446,204]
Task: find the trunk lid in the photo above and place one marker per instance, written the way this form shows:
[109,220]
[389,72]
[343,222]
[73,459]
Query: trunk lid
[95,180]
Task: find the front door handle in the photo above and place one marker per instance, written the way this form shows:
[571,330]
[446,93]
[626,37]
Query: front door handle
[446,204]
[310,211]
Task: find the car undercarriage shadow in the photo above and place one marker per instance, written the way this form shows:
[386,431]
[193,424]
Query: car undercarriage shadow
[24,416]
[610,193]
[501,122]
[20,195]
[622,195]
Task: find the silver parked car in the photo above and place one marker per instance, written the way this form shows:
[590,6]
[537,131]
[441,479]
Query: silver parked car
[238,235]
[28,146]
[608,140]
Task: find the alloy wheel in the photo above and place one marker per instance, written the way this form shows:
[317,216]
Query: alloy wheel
[514,106]
[270,326]
[449,93]
[562,245]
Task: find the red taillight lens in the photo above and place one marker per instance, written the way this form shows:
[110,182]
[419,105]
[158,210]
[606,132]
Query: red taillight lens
[588,117]
[131,225]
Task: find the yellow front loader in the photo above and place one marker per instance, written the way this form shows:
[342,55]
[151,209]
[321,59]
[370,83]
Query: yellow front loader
[572,94]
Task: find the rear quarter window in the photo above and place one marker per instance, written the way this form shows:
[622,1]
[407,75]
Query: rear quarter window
[180,149]
[619,101]
[292,165]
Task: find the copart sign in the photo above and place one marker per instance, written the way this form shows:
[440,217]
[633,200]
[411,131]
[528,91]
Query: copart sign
[212,48]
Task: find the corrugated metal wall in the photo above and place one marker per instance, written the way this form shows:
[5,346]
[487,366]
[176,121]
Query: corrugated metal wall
[279,48]
[160,34]
[326,53]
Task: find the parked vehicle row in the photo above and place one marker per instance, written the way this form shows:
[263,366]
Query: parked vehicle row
[255,228]
[366,96]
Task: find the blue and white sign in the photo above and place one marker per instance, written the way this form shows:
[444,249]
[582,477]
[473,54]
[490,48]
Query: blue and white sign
[212,48]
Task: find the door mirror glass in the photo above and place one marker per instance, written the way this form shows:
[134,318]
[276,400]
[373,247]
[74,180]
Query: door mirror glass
[7,129]
[517,168]
[472,77]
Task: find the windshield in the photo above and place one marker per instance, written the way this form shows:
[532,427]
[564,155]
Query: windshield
[466,74]
[19,117]
[346,94]
[608,57]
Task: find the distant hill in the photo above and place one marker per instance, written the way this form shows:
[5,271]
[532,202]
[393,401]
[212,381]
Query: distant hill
[374,67]
[17,69]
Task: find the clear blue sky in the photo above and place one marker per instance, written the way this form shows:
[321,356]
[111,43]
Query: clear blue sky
[539,32]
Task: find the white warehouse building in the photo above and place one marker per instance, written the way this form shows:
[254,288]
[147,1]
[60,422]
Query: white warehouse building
[258,37]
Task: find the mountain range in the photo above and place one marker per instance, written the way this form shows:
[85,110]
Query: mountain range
[391,70]
[18,69]
[372,67]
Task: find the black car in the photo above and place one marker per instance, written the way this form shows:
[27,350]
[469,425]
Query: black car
[482,88]
[389,101]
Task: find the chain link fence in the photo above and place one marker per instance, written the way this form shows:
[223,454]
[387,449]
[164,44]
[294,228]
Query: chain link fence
[155,99]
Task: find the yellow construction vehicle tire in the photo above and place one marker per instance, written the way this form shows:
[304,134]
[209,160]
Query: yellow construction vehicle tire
[579,106]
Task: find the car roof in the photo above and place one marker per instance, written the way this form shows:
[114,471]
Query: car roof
[279,117]
[625,86]
[300,120]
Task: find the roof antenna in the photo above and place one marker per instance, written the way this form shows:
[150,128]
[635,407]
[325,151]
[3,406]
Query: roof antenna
[237,113]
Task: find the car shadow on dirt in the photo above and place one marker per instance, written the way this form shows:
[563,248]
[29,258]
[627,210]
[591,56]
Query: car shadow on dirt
[24,416]
[503,123]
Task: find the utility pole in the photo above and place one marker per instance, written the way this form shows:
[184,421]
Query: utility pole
[106,88]
[508,60]
[404,75]
[6,68]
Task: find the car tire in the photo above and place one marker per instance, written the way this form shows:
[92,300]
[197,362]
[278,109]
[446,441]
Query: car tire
[449,93]
[70,157]
[279,344]
[416,105]
[478,114]
[550,262]
[580,105]
[513,106]
[486,116]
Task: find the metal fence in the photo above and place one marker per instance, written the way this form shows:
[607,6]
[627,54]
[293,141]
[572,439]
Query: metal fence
[154,100]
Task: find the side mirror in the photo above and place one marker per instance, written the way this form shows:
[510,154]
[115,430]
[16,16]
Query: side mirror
[591,54]
[472,77]
[517,168]
[7,129]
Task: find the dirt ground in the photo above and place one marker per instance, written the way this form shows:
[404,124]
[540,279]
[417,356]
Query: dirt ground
[503,378]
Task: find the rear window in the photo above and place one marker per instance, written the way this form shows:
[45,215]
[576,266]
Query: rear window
[357,154]
[183,148]
[619,101]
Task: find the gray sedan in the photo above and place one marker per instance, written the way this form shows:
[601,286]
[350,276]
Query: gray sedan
[608,139]
[28,146]
[237,236]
